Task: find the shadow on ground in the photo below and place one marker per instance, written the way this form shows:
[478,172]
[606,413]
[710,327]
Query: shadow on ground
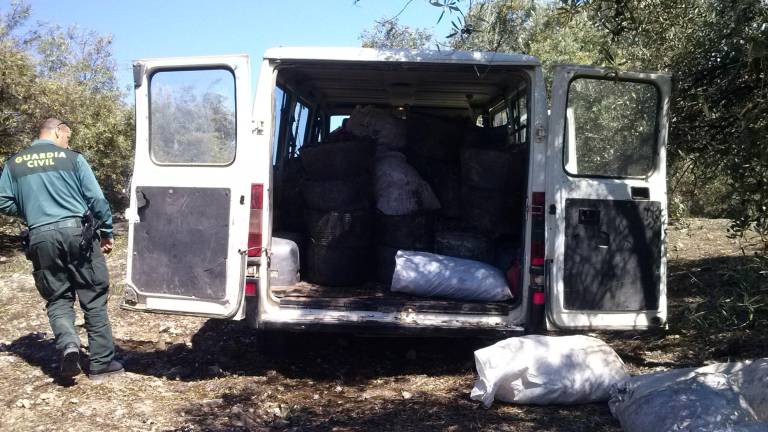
[283,372]
[38,350]
[226,347]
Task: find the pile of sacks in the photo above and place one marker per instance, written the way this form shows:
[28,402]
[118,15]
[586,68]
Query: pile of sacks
[545,370]
[403,200]
[338,211]
[423,207]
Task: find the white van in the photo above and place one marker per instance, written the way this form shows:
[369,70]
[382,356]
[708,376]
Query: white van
[214,180]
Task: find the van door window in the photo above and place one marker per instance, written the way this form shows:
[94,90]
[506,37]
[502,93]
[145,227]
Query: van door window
[611,128]
[518,108]
[192,117]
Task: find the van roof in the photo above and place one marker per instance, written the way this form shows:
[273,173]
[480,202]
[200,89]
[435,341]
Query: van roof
[399,55]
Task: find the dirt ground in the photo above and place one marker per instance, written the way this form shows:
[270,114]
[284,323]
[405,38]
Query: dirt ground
[191,374]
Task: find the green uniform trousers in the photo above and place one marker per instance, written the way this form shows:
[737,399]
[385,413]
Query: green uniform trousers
[61,273]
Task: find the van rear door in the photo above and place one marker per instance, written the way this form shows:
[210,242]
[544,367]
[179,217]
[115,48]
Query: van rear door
[606,199]
[190,203]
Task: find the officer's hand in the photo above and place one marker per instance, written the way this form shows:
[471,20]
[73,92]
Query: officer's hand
[107,244]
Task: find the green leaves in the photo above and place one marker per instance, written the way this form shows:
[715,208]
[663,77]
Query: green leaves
[70,74]
[390,33]
[717,51]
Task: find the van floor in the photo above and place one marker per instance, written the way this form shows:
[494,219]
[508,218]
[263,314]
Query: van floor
[377,297]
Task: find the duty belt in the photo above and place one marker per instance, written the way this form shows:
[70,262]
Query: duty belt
[67,223]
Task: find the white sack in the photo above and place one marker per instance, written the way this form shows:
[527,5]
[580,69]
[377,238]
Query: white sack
[432,275]
[545,370]
[702,402]
[398,187]
[721,397]
[378,124]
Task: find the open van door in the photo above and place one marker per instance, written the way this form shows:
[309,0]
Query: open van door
[190,201]
[607,199]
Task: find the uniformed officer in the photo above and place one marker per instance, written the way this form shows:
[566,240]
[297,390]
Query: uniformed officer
[52,187]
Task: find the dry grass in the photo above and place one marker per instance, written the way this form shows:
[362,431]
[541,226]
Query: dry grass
[189,374]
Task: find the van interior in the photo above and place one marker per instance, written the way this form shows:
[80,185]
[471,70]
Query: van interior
[464,130]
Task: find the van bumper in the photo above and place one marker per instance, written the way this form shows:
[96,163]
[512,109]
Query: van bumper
[369,328]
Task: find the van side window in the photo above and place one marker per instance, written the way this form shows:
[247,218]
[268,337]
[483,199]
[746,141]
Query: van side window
[611,128]
[499,115]
[281,104]
[318,124]
[336,121]
[299,124]
[192,117]
[518,113]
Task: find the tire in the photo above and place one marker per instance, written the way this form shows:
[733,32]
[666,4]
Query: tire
[340,229]
[338,195]
[337,266]
[415,232]
[462,244]
[338,161]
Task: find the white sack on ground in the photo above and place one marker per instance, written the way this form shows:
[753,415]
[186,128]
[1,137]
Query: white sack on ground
[432,275]
[719,397]
[378,124]
[399,188]
[703,402]
[545,370]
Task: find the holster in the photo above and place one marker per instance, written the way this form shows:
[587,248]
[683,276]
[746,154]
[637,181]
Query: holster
[24,237]
[88,233]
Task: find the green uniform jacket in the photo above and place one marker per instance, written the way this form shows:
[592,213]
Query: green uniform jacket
[45,183]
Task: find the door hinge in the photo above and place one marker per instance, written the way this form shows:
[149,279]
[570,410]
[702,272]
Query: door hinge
[138,74]
[259,129]
[541,133]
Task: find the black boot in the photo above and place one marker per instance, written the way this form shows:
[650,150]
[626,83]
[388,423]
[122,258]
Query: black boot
[70,361]
[114,368]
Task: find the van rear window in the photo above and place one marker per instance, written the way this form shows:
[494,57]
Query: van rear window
[192,117]
[611,128]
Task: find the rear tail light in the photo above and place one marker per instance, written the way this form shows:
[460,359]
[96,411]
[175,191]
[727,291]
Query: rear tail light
[251,287]
[254,225]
